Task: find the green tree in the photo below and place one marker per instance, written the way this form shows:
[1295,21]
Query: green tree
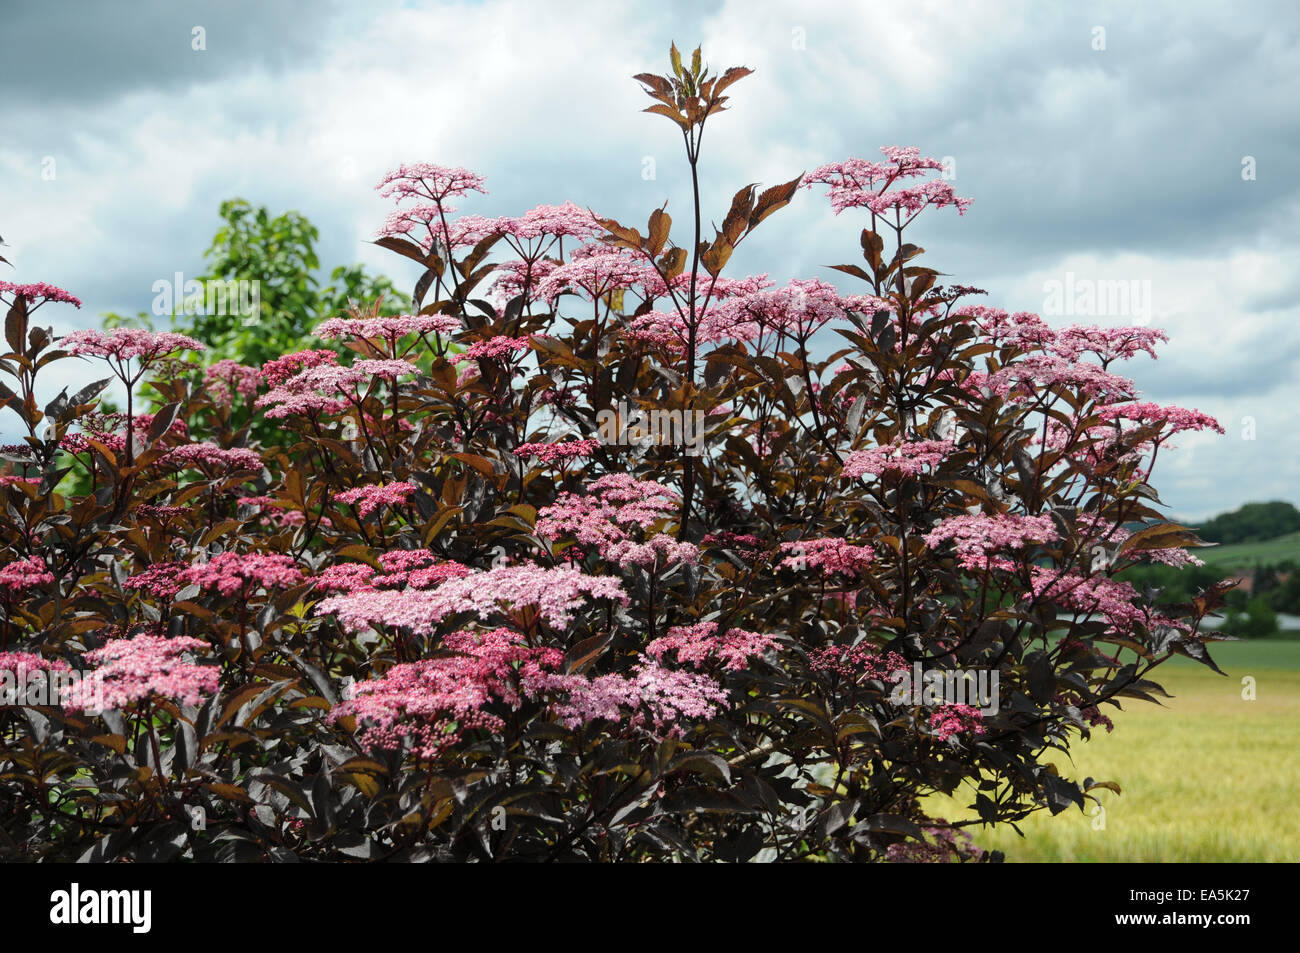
[1252,523]
[1257,621]
[1286,597]
[279,253]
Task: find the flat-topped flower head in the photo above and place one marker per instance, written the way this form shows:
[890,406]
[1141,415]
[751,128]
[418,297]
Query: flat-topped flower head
[160,580]
[521,277]
[1108,344]
[229,379]
[979,537]
[559,450]
[231,573]
[859,663]
[388,327]
[36,294]
[499,347]
[566,220]
[613,517]
[553,594]
[651,699]
[952,720]
[905,457]
[327,388]
[211,458]
[701,643]
[23,574]
[16,662]
[125,344]
[276,372]
[142,668]
[1171,418]
[1115,601]
[344,577]
[1029,377]
[425,180]
[829,554]
[427,225]
[595,270]
[860,183]
[367,499]
[431,704]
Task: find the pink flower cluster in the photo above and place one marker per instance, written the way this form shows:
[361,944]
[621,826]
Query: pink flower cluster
[432,703]
[1109,344]
[554,593]
[211,458]
[1089,713]
[316,389]
[1174,419]
[1033,375]
[463,232]
[417,568]
[859,183]
[947,844]
[800,308]
[511,277]
[427,181]
[595,270]
[652,699]
[604,519]
[344,577]
[40,289]
[560,450]
[1022,330]
[25,574]
[124,344]
[367,499]
[725,318]
[952,720]
[281,369]
[978,537]
[859,663]
[559,221]
[830,554]
[227,379]
[16,662]
[499,347]
[132,670]
[389,328]
[161,580]
[1113,600]
[910,457]
[699,643]
[231,573]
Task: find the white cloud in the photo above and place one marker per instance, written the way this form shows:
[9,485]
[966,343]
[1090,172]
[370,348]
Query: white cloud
[1123,163]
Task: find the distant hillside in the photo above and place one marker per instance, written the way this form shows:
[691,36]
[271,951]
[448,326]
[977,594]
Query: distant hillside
[1253,523]
[1240,556]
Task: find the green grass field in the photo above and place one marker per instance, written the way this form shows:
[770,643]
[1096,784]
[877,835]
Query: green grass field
[1247,555]
[1208,777]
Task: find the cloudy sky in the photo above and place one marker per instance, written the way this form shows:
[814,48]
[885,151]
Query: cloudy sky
[1153,143]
